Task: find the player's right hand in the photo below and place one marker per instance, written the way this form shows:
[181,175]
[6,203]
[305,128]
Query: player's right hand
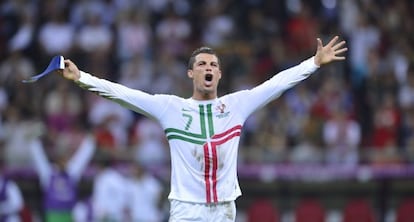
[71,71]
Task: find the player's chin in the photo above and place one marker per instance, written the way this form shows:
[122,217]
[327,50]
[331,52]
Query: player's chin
[205,91]
[208,89]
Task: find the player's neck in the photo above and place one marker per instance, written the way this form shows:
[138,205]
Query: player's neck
[204,96]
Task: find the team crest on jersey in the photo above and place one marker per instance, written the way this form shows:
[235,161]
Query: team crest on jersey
[221,108]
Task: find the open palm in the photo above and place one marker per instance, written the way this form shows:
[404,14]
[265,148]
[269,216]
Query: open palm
[330,52]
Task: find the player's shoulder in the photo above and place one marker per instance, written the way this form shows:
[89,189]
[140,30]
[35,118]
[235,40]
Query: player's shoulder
[234,96]
[169,96]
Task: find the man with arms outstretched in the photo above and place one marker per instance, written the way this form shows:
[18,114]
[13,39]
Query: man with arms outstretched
[204,130]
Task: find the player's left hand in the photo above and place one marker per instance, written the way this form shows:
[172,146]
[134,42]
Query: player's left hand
[330,52]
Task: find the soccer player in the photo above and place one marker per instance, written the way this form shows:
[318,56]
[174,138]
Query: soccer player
[203,131]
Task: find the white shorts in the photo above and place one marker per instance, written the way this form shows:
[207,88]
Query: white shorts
[186,211]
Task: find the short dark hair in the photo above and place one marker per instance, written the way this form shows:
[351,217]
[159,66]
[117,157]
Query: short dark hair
[203,49]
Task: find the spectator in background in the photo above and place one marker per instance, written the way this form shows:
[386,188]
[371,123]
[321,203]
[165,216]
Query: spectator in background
[14,137]
[408,137]
[81,9]
[406,101]
[384,135]
[168,73]
[172,32]
[94,41]
[110,123]
[348,13]
[306,152]
[109,193]
[137,72]
[144,195]
[14,68]
[341,137]
[133,35]
[149,145]
[363,38]
[11,199]
[94,36]
[62,108]
[60,177]
[270,145]
[219,26]
[83,211]
[406,91]
[301,28]
[298,101]
[56,35]
[24,36]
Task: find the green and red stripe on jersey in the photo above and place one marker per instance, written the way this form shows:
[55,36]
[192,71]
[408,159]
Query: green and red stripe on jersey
[210,144]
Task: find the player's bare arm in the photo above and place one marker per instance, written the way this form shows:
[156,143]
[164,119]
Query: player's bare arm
[330,52]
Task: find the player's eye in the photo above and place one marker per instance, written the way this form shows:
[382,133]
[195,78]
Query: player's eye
[201,63]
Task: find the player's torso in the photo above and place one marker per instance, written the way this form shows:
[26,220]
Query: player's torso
[204,138]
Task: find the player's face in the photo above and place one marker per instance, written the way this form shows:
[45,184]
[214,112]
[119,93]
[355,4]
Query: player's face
[206,74]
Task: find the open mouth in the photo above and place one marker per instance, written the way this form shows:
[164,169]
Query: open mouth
[208,77]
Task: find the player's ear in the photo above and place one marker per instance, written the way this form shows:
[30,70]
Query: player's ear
[190,73]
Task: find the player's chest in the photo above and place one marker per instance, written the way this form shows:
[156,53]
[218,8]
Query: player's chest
[200,116]
[202,121]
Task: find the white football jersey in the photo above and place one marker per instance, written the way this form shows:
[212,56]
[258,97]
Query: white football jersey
[203,135]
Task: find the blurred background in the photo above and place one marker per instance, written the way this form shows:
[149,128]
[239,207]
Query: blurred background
[339,141]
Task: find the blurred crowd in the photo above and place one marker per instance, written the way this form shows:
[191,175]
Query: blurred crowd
[358,111]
